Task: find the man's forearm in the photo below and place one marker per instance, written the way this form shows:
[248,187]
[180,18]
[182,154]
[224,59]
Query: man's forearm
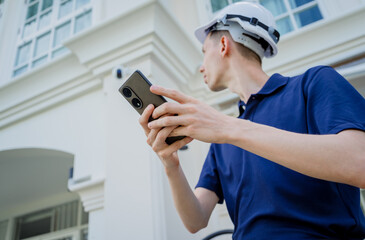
[188,206]
[339,157]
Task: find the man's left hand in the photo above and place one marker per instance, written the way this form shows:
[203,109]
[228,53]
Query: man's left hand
[194,118]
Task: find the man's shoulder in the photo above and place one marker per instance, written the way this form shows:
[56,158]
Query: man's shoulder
[315,72]
[314,75]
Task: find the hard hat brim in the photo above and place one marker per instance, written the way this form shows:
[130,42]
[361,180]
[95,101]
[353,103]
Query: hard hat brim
[200,33]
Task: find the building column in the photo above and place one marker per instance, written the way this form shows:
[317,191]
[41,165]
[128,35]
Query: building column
[91,193]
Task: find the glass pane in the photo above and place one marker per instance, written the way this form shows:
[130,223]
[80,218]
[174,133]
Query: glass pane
[42,45]
[84,217]
[23,54]
[62,33]
[65,8]
[20,71]
[218,4]
[276,7]
[32,10]
[59,52]
[29,28]
[46,4]
[298,3]
[80,3]
[40,61]
[84,234]
[308,16]
[82,21]
[32,228]
[284,25]
[1,1]
[45,20]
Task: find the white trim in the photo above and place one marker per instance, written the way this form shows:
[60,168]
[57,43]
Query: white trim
[91,193]
[158,204]
[353,72]
[362,199]
[10,231]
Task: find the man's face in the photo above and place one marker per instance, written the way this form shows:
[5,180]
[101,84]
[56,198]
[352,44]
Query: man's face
[212,65]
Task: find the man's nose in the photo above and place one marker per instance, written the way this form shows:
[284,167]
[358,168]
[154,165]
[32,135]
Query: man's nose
[201,68]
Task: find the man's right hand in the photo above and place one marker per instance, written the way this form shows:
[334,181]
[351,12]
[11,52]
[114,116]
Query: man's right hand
[156,139]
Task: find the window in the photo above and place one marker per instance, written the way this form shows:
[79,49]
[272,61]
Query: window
[3,229]
[48,23]
[67,216]
[1,8]
[219,4]
[290,15]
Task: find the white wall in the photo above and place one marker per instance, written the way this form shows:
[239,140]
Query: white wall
[72,104]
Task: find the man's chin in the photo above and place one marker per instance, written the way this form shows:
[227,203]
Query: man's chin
[215,88]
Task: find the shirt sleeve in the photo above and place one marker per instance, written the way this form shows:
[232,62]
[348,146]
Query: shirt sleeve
[333,104]
[209,177]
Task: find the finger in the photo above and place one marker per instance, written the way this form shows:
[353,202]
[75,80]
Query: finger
[151,137]
[164,133]
[169,121]
[171,93]
[160,139]
[170,108]
[177,145]
[179,131]
[143,120]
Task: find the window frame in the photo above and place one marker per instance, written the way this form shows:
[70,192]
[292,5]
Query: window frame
[54,23]
[289,13]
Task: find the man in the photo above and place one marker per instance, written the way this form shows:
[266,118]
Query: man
[291,165]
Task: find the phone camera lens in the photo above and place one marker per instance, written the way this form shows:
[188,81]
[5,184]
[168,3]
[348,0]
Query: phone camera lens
[136,103]
[127,92]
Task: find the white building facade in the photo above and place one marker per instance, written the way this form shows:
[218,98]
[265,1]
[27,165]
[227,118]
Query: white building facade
[74,163]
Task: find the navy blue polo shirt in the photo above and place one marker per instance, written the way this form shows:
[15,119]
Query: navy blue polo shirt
[268,201]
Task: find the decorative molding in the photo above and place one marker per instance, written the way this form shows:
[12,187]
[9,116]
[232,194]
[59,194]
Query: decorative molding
[91,193]
[48,99]
[50,85]
[146,31]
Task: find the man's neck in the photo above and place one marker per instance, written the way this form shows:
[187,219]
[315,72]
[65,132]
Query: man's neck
[246,78]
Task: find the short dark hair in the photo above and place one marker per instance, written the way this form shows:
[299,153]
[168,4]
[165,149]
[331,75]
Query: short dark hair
[245,51]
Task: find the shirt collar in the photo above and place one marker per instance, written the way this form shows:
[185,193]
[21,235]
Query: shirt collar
[275,82]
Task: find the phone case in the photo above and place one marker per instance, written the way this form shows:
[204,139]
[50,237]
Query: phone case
[136,90]
[140,88]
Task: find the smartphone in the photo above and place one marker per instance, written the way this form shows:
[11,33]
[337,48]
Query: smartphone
[136,90]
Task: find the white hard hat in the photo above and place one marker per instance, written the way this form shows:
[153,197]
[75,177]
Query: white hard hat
[249,24]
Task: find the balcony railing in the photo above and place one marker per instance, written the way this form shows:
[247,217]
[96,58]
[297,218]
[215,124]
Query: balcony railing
[77,233]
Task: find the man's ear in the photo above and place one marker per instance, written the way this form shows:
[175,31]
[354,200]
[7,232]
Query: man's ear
[225,46]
